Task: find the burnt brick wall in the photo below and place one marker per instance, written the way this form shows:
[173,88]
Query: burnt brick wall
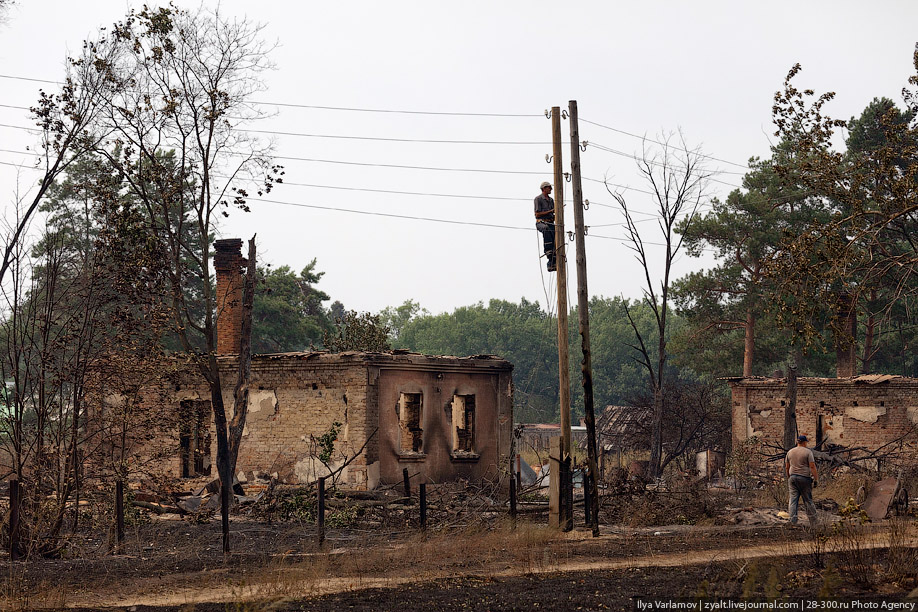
[294,399]
[838,411]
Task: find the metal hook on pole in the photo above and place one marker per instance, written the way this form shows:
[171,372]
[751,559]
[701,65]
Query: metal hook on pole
[584,144]
[547,114]
[570,236]
[563,114]
[567,177]
[548,158]
[586,205]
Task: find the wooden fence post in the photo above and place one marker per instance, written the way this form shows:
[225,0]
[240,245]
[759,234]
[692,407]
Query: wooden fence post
[513,501]
[320,518]
[422,491]
[407,481]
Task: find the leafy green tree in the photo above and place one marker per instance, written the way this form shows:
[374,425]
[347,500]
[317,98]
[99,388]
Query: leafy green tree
[397,317]
[288,314]
[745,231]
[885,307]
[865,251]
[357,332]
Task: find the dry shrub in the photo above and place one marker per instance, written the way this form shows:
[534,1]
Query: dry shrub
[692,506]
[772,494]
[19,594]
[746,463]
[902,561]
[853,543]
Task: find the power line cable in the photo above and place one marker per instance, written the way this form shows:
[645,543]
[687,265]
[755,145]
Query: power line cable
[413,193]
[334,108]
[22,78]
[393,111]
[663,164]
[407,112]
[417,218]
[416,140]
[608,149]
[725,161]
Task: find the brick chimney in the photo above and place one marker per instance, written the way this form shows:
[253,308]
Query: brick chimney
[846,340]
[229,265]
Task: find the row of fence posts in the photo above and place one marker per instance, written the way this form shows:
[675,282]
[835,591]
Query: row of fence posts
[406,483]
[16,496]
[422,503]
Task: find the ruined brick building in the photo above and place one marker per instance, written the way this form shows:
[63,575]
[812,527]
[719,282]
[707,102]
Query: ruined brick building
[444,418]
[868,410]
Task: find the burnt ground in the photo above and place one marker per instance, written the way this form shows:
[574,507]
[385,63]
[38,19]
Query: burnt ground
[584,590]
[375,557]
[174,565]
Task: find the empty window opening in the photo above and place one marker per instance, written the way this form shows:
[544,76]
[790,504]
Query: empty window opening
[194,438]
[410,406]
[463,423]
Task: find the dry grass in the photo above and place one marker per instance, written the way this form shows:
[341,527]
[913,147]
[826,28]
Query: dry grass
[840,488]
[18,595]
[471,550]
[902,562]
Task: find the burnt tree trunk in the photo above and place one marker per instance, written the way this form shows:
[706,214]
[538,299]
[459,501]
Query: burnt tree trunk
[229,435]
[656,434]
[241,392]
[790,407]
[869,332]
[749,345]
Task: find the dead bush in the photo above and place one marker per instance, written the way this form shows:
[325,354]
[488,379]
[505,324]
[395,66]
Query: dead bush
[695,505]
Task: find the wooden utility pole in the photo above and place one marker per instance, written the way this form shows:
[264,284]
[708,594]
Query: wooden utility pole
[561,256]
[564,504]
[583,311]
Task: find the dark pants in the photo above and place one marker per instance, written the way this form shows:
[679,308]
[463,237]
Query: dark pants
[801,487]
[548,240]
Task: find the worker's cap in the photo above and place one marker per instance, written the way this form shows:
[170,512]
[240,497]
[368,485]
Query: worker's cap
[801,438]
[544,185]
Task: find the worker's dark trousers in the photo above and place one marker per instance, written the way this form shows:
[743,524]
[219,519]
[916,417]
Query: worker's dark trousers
[801,487]
[548,240]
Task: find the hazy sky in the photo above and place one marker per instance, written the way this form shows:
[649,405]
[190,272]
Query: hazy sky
[709,68]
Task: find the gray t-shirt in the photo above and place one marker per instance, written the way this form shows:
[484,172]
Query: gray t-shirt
[543,203]
[799,459]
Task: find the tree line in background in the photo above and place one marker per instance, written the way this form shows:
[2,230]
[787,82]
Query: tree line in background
[141,156]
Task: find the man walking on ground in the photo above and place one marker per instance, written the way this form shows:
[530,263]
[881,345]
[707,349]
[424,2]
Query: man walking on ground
[545,223]
[802,477]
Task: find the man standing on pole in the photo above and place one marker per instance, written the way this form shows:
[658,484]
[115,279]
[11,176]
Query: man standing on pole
[545,223]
